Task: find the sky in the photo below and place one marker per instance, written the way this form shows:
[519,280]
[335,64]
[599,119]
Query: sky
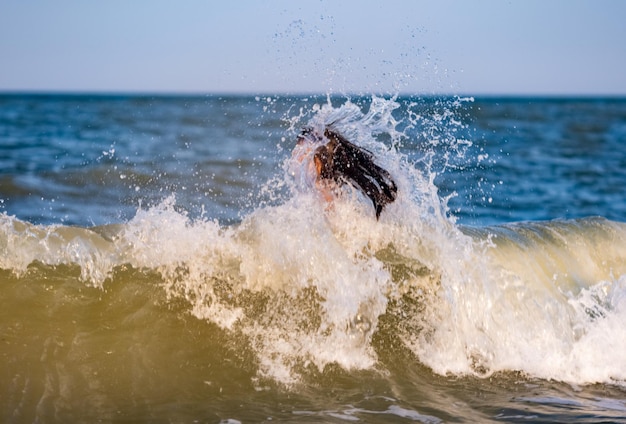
[462,47]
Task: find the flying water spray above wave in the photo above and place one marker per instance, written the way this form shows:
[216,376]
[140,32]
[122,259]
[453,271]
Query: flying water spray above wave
[308,285]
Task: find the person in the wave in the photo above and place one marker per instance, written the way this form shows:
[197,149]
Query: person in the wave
[330,160]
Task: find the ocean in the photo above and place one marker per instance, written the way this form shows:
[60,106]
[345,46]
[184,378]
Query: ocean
[160,262]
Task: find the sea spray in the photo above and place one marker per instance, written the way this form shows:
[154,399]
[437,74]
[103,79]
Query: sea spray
[23,243]
[327,261]
[306,286]
[531,300]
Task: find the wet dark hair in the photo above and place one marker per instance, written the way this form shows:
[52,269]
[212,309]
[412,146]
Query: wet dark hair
[342,161]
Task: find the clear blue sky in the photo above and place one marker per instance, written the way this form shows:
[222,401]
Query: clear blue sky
[454,47]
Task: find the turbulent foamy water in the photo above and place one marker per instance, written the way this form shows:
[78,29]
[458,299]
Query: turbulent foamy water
[221,288]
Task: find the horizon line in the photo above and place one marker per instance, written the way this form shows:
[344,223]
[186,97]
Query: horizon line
[216,93]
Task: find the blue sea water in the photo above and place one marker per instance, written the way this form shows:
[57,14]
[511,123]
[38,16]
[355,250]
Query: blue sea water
[529,159]
[157,262]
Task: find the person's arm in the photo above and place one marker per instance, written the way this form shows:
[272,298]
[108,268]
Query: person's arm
[323,185]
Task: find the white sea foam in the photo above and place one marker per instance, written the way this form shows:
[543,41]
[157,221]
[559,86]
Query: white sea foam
[306,284]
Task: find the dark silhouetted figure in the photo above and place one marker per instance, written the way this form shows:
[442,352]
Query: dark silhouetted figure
[341,161]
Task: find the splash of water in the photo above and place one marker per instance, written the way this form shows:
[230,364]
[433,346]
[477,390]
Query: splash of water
[307,285]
